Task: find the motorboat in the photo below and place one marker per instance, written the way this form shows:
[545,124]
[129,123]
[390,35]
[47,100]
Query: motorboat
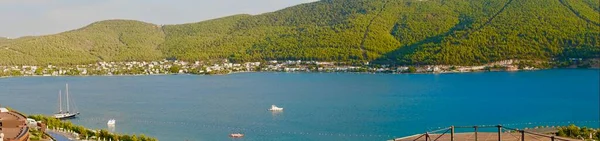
[236,135]
[111,122]
[275,108]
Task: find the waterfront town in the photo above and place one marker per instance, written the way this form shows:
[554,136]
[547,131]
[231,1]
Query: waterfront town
[225,67]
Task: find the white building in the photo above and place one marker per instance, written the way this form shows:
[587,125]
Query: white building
[3,110]
[31,123]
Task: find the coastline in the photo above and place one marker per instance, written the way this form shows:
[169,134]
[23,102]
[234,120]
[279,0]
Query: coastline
[349,72]
[67,130]
[175,67]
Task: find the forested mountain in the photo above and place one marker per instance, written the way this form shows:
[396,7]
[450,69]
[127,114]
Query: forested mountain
[417,32]
[114,40]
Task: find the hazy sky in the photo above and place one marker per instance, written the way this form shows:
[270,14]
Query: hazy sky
[40,17]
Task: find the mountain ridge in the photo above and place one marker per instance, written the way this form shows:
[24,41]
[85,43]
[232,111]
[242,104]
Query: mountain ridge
[380,31]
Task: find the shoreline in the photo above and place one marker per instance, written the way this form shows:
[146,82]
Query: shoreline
[65,130]
[241,72]
[174,67]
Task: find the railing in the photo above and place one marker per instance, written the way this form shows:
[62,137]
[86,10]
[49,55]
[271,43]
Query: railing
[441,132]
[49,136]
[23,133]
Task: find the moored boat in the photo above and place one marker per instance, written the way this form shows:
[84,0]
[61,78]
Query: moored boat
[236,135]
[275,108]
[64,114]
[111,122]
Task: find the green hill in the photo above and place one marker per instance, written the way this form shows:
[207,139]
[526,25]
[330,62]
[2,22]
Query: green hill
[114,40]
[381,31]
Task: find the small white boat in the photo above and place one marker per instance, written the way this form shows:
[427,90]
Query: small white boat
[111,122]
[275,108]
[236,135]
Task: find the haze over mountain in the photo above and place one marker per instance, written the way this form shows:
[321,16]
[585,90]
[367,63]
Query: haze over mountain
[42,17]
[382,31]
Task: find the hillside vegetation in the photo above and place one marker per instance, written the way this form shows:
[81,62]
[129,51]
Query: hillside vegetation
[115,40]
[410,32]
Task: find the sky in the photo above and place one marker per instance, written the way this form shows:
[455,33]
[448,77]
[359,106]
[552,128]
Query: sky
[41,17]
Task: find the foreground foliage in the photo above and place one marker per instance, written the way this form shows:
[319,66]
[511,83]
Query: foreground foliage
[83,132]
[575,132]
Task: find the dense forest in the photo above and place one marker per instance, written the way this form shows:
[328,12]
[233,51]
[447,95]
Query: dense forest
[117,40]
[402,32]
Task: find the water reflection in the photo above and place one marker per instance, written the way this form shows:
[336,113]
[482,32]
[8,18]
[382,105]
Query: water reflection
[111,128]
[276,114]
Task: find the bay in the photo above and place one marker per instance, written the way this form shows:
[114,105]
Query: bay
[318,106]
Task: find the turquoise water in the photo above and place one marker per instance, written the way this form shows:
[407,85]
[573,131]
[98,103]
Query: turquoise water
[318,106]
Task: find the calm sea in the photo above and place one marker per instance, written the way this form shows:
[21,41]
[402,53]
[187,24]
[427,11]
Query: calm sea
[318,106]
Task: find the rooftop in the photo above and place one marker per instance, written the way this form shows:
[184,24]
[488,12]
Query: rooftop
[13,125]
[2,110]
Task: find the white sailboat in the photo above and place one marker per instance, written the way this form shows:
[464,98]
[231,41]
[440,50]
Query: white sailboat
[64,114]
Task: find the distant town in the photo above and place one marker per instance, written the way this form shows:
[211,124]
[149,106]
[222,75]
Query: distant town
[225,67]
